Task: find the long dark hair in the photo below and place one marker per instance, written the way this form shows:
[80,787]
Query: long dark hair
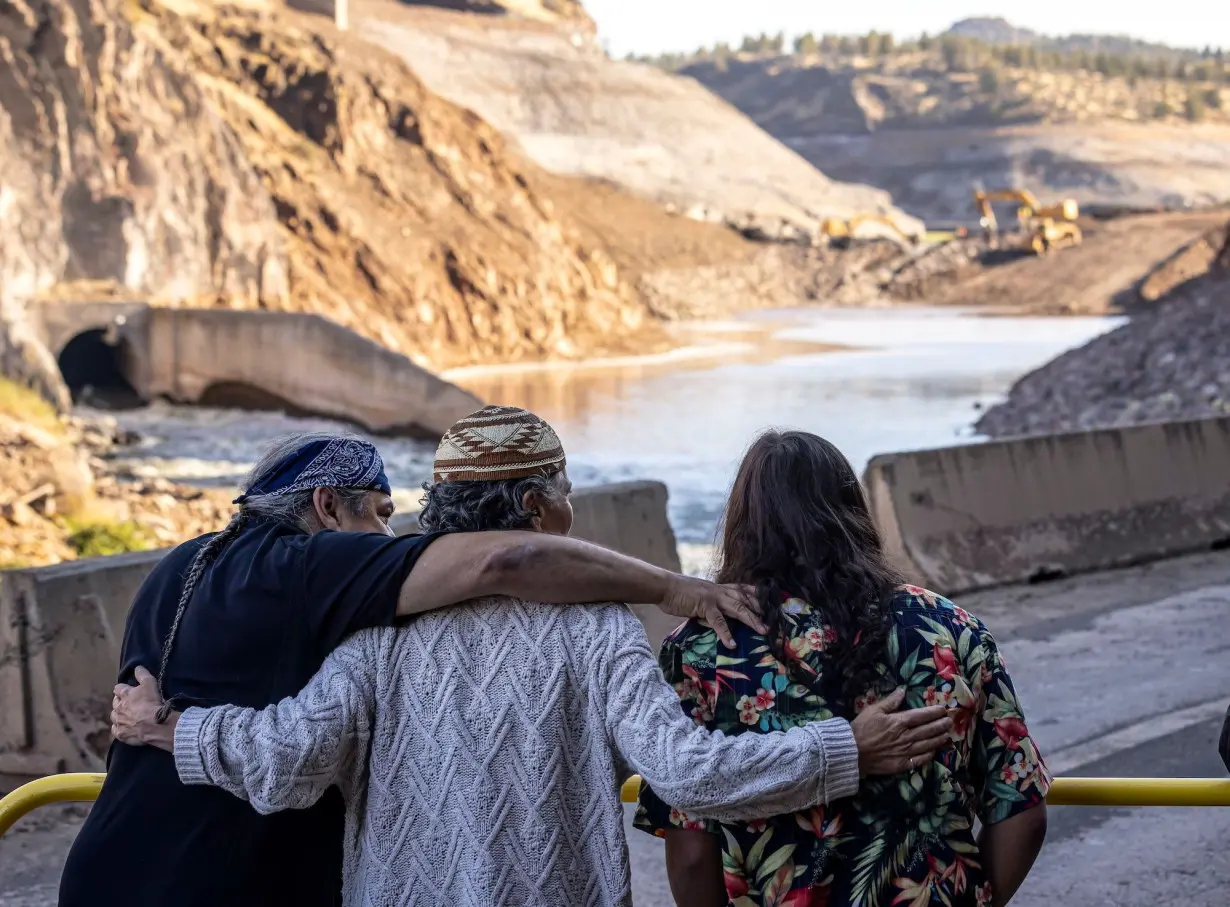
[797,524]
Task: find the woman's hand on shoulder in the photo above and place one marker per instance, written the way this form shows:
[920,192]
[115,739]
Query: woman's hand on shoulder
[715,604]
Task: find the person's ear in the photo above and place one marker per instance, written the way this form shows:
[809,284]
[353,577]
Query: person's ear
[529,501]
[326,505]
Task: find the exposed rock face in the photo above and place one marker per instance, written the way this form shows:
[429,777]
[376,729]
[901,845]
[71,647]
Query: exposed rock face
[405,217]
[199,155]
[115,168]
[927,135]
[112,167]
[1172,362]
[577,112]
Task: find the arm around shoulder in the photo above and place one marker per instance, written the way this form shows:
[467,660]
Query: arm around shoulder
[709,774]
[287,755]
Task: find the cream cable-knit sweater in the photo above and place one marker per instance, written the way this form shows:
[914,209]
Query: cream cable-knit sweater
[481,749]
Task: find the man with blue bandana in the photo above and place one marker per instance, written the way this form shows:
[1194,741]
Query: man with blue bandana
[247,616]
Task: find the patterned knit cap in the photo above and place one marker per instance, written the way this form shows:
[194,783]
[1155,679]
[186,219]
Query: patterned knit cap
[497,443]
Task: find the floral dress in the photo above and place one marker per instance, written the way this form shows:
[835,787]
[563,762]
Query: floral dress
[902,840]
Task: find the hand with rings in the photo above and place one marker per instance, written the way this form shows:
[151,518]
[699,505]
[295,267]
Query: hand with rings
[890,742]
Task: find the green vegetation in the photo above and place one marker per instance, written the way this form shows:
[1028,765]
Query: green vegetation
[96,539]
[1195,108]
[971,55]
[25,405]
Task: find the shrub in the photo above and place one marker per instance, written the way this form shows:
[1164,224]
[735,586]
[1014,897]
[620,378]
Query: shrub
[1194,107]
[97,539]
[25,405]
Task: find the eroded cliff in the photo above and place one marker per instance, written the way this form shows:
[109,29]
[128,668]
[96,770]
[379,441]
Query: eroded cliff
[246,157]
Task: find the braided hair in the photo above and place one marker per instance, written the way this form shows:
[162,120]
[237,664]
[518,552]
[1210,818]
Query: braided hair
[293,509]
[207,555]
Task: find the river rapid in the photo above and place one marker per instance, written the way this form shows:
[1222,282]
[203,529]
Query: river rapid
[870,380]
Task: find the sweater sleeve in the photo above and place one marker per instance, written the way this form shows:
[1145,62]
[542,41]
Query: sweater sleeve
[708,774]
[287,755]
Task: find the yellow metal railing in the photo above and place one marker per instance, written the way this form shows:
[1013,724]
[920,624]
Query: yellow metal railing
[85,786]
[72,788]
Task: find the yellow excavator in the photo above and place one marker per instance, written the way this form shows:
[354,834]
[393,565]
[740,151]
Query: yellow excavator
[1045,227]
[841,232]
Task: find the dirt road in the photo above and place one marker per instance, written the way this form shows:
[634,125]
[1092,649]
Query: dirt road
[1090,278]
[1121,673]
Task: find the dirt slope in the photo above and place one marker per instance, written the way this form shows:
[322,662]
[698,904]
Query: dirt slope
[575,111]
[198,154]
[1102,274]
[927,135]
[1171,362]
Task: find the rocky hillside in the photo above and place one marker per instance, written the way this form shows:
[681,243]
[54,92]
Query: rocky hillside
[928,121]
[920,91]
[575,111]
[60,498]
[1171,362]
[563,12]
[199,154]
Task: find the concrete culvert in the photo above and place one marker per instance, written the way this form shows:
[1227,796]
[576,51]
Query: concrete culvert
[95,371]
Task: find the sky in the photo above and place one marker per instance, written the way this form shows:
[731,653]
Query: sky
[656,26]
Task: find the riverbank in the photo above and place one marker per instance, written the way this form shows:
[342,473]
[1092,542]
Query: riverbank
[63,497]
[1171,361]
[872,380]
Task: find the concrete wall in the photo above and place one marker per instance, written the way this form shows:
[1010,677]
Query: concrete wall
[299,363]
[967,517]
[61,629]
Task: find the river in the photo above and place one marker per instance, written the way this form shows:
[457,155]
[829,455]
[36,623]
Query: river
[870,380]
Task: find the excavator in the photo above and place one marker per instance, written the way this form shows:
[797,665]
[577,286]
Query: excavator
[1045,227]
[841,232]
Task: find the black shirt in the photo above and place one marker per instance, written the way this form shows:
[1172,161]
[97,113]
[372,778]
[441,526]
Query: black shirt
[261,622]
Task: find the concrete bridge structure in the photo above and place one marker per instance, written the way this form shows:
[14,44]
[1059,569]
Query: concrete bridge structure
[131,353]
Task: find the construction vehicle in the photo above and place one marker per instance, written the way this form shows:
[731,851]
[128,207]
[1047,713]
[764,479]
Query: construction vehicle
[1044,227]
[841,232]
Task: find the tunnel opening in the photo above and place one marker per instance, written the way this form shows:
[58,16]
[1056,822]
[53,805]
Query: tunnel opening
[95,372]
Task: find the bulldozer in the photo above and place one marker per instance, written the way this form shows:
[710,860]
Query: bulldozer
[841,232]
[1044,227]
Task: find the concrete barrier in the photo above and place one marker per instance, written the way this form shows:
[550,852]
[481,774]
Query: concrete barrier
[1023,509]
[61,628]
[297,363]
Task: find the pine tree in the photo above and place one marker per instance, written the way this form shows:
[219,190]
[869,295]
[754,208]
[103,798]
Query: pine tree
[805,45]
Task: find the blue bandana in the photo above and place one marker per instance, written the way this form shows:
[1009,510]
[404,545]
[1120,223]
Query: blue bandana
[333,463]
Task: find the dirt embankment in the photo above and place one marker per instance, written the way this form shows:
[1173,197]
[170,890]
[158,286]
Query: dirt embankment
[577,112]
[927,135]
[61,498]
[1121,263]
[197,154]
[1170,362]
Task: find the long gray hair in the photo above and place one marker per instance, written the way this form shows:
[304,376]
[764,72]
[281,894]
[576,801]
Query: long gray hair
[294,509]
